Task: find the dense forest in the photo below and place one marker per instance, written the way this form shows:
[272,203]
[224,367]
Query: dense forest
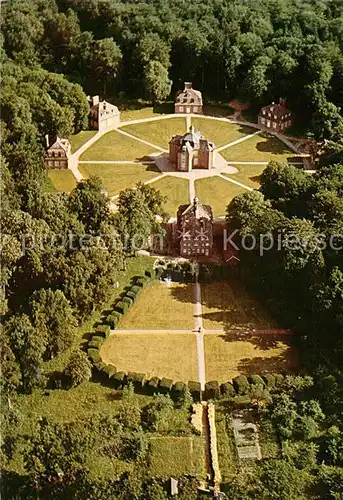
[54,53]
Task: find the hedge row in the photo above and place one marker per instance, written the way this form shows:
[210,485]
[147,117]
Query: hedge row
[177,271]
[242,385]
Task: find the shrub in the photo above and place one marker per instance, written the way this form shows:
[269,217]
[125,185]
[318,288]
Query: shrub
[269,380]
[111,321]
[165,385]
[119,379]
[195,390]
[170,265]
[153,385]
[131,295]
[78,369]
[103,331]
[135,289]
[127,300]
[241,384]
[178,388]
[148,275]
[92,351]
[279,378]
[116,315]
[137,379]
[122,307]
[110,370]
[95,343]
[256,380]
[99,365]
[141,281]
[212,390]
[94,356]
[227,390]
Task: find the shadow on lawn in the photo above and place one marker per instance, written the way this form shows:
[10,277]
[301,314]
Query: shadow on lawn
[288,360]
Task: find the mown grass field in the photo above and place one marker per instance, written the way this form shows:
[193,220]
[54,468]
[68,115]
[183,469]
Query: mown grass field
[227,454]
[116,177]
[116,146]
[137,114]
[61,180]
[161,306]
[260,147]
[227,358]
[176,456]
[229,307]
[162,355]
[216,192]
[218,131]
[176,191]
[158,132]
[78,140]
[248,175]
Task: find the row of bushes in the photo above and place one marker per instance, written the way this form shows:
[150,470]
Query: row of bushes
[127,300]
[242,385]
[177,271]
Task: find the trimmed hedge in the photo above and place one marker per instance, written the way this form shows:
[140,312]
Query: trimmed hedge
[127,300]
[256,380]
[138,379]
[96,342]
[212,389]
[241,384]
[178,388]
[142,281]
[103,331]
[119,379]
[166,384]
[122,307]
[110,370]
[195,390]
[132,295]
[279,378]
[111,321]
[227,390]
[269,380]
[148,275]
[116,315]
[153,384]
[94,356]
[135,289]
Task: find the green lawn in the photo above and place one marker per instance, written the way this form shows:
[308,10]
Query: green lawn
[115,178]
[221,110]
[248,175]
[229,355]
[116,146]
[61,180]
[158,132]
[260,147]
[220,132]
[176,456]
[161,306]
[216,192]
[161,355]
[78,140]
[228,306]
[176,191]
[137,114]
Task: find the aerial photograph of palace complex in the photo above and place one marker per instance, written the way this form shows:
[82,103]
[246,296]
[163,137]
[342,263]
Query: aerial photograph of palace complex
[171,250]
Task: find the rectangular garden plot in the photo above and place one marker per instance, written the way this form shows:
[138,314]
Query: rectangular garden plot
[161,355]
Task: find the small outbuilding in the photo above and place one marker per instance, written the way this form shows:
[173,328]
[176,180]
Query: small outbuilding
[57,152]
[189,100]
[103,115]
[276,117]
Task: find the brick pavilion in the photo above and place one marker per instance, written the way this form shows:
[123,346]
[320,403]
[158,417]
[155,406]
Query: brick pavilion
[191,150]
[195,227]
[276,117]
[188,100]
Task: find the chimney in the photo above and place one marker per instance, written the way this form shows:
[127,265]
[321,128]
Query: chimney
[47,141]
[188,85]
[95,100]
[195,204]
[282,102]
